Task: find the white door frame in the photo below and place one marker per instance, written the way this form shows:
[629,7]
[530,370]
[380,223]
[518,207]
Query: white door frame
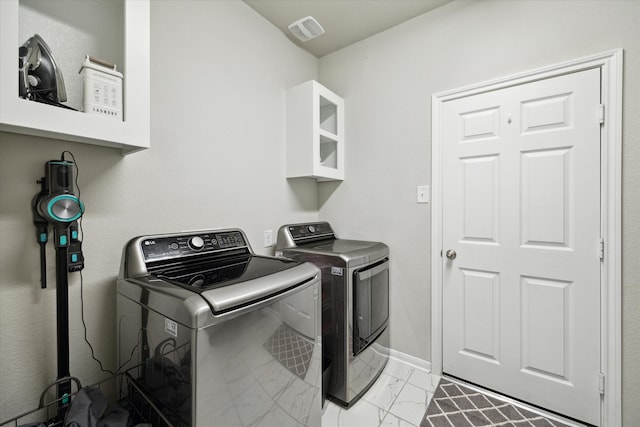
[611,64]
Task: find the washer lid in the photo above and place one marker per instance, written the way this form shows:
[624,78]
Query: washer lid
[213,306]
[210,273]
[241,294]
[238,281]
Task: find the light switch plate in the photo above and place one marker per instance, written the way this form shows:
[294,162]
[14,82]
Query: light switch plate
[422,194]
[268,238]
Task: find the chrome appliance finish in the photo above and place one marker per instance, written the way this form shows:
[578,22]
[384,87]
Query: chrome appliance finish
[355,304]
[208,329]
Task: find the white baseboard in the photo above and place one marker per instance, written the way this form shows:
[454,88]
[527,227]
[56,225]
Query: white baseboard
[410,360]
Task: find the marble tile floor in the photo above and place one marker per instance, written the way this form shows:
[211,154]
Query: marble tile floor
[399,398]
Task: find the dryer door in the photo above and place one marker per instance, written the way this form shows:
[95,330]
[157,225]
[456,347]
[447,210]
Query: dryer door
[370,303]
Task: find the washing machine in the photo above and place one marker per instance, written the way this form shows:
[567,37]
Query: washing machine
[214,335]
[355,305]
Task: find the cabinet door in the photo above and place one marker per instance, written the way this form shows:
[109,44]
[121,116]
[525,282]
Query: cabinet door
[328,149]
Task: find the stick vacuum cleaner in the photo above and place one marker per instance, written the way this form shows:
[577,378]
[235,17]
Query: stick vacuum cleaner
[58,206]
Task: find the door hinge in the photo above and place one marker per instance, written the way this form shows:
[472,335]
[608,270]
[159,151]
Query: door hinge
[601,113]
[601,383]
[601,249]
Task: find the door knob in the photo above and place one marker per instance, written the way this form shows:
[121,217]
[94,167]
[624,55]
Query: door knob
[451,254]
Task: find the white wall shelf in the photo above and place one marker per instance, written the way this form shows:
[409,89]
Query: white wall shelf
[315,133]
[73,27]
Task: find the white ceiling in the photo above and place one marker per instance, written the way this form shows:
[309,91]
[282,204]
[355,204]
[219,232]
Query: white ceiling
[345,21]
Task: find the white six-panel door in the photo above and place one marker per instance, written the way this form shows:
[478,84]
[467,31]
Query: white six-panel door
[521,211]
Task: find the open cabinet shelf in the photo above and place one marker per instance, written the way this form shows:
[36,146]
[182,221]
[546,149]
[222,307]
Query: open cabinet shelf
[116,31]
[315,133]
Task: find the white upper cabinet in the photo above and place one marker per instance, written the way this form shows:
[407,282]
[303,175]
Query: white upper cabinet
[117,31]
[315,133]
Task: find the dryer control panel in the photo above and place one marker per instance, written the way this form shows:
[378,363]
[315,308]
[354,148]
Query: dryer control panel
[313,230]
[295,235]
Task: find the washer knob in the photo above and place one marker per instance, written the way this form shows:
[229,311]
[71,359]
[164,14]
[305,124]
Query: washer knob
[196,243]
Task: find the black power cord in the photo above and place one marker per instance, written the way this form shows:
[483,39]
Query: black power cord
[84,324]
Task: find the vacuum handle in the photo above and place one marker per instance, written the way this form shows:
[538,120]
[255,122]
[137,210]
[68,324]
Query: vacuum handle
[42,236]
[42,232]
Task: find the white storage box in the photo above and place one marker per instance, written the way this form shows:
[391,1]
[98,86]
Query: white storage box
[102,86]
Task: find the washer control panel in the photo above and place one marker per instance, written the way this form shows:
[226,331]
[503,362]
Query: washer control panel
[157,248]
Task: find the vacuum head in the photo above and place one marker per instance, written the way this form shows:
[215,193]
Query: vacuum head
[40,79]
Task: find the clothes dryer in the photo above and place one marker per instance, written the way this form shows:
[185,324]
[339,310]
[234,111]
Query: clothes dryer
[355,304]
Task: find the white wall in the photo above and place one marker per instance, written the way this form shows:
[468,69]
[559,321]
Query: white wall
[387,82]
[219,73]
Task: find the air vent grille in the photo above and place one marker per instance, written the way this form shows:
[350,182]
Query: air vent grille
[306,29]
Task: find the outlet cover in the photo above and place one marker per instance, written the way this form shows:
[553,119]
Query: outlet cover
[268,238]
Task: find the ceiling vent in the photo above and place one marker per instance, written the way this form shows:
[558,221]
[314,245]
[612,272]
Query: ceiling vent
[306,29]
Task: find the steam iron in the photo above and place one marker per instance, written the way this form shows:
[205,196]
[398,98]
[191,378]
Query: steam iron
[40,79]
